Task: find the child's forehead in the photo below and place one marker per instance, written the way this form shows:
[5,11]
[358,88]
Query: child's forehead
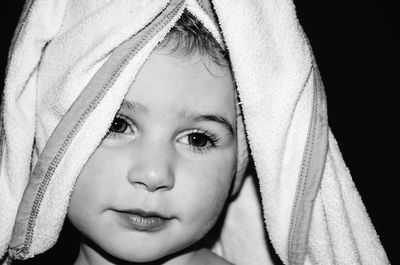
[188,84]
[194,72]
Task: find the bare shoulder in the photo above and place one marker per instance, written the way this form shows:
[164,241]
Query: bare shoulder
[208,257]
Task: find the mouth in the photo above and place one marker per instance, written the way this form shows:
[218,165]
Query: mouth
[143,221]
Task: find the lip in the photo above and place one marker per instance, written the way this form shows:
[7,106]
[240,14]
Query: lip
[144,221]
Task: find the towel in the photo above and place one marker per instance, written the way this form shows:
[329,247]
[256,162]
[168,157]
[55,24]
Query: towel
[71,64]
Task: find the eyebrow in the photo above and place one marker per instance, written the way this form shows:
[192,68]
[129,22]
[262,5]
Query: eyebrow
[134,106]
[212,117]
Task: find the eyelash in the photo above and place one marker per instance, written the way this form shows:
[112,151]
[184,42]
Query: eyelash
[211,139]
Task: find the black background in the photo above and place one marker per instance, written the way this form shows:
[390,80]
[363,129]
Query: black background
[355,47]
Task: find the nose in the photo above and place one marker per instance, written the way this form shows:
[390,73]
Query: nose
[152,169]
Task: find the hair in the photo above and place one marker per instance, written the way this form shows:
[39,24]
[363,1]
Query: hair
[189,36]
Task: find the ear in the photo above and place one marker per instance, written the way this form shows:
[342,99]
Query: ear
[242,154]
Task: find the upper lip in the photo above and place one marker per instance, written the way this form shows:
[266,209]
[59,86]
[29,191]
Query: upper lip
[144,213]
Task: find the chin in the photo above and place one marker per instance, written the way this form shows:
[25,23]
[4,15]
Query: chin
[136,255]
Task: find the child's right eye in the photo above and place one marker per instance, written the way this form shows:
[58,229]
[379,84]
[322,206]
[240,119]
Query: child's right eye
[119,127]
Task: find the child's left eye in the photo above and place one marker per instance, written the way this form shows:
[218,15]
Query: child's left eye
[199,141]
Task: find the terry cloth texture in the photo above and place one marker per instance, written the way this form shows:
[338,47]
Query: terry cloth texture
[71,64]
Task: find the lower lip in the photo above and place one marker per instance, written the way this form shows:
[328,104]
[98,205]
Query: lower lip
[145,224]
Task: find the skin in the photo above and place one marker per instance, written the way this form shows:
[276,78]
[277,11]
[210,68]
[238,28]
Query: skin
[171,149]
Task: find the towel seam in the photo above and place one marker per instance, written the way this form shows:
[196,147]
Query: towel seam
[313,163]
[304,172]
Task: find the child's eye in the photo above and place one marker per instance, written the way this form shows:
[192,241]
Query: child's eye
[199,141]
[119,126]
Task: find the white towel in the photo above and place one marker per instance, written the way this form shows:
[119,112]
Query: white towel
[69,57]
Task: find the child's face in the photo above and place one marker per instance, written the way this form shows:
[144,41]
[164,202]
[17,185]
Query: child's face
[170,155]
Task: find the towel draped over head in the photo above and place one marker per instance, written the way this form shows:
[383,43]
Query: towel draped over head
[71,64]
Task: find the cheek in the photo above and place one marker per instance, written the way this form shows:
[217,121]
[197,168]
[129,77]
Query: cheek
[92,189]
[204,188]
[210,176]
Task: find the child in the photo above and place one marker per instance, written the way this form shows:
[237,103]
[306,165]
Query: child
[150,186]
[159,180]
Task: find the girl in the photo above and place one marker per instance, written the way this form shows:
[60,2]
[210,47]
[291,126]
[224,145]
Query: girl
[150,187]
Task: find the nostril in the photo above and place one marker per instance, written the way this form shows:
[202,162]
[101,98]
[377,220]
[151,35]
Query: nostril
[165,187]
[139,184]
